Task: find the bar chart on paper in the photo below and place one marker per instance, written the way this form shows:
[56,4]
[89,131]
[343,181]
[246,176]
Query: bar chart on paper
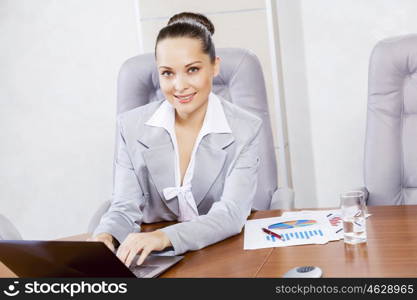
[287,235]
[304,234]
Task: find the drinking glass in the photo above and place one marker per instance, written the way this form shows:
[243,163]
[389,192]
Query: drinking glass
[353,209]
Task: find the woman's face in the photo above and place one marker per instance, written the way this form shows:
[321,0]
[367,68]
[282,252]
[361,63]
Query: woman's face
[185,74]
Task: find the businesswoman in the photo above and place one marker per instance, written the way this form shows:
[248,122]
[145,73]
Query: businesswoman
[192,157]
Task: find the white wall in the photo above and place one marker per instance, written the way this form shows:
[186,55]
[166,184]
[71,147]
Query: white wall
[291,34]
[59,62]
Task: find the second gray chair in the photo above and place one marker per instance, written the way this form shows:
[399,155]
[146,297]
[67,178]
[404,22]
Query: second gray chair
[391,134]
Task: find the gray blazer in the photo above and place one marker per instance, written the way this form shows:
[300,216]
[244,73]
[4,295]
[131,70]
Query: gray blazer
[223,185]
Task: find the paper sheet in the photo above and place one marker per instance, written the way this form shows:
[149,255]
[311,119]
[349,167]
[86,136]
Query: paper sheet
[306,231]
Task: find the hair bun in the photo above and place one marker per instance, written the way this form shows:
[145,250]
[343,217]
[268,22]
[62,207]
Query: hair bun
[189,17]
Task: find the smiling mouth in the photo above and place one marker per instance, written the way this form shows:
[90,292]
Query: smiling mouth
[185,98]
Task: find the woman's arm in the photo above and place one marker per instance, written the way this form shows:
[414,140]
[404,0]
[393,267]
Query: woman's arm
[227,216]
[128,201]
[120,222]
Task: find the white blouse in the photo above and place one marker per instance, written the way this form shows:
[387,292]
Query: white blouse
[214,122]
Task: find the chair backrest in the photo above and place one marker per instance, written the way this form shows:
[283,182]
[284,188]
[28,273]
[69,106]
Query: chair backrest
[7,230]
[240,81]
[391,134]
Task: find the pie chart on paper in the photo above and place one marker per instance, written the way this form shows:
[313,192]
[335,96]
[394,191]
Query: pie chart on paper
[292,224]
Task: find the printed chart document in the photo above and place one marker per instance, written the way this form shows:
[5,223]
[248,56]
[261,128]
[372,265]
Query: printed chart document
[293,230]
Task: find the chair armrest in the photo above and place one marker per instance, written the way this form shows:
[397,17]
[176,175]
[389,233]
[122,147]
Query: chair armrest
[7,230]
[366,193]
[283,198]
[95,220]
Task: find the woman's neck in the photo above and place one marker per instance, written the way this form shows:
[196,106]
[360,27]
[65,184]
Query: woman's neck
[194,120]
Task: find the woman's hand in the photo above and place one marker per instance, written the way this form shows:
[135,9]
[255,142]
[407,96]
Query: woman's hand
[142,243]
[106,238]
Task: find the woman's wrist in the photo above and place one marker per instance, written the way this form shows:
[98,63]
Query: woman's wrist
[165,239]
[104,236]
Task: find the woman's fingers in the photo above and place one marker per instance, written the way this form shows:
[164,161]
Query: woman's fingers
[110,245]
[144,255]
[123,252]
[133,251]
[107,240]
[142,243]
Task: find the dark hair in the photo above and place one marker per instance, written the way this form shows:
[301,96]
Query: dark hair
[192,25]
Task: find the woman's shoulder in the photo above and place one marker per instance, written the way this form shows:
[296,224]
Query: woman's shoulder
[242,121]
[234,111]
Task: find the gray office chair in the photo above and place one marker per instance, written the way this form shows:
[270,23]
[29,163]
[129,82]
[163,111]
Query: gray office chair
[391,134]
[240,81]
[7,230]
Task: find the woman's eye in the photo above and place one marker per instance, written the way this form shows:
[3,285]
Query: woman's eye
[166,73]
[193,69]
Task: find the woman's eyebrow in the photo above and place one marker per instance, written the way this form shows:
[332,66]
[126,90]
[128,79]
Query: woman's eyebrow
[194,62]
[187,65]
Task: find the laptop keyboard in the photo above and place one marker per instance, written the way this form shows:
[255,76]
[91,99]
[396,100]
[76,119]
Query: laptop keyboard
[141,272]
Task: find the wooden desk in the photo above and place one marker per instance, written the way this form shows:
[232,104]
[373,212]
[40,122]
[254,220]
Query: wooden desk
[391,251]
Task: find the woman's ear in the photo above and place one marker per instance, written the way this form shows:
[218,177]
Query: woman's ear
[216,66]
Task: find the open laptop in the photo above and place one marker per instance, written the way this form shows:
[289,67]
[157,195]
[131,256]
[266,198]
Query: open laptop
[76,259]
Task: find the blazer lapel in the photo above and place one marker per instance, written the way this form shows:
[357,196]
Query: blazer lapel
[209,161]
[159,159]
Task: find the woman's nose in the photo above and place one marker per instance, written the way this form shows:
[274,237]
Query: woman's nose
[180,83]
